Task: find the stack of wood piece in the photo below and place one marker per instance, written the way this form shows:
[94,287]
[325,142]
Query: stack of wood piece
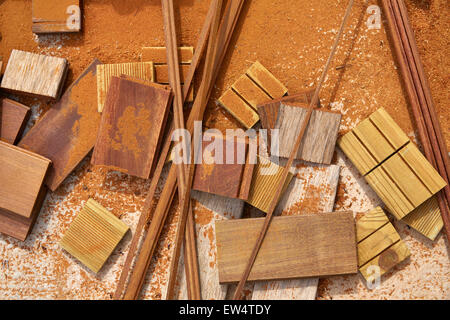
[22,189]
[157,55]
[397,171]
[35,74]
[132,126]
[255,87]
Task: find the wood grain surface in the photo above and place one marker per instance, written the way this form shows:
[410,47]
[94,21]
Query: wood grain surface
[68,131]
[52,16]
[35,74]
[132,126]
[157,55]
[320,244]
[13,119]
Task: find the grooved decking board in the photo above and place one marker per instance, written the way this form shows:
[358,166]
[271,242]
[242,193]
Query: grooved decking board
[132,126]
[319,141]
[426,219]
[93,235]
[214,175]
[35,74]
[313,189]
[139,70]
[372,141]
[13,119]
[379,244]
[250,92]
[238,108]
[266,177]
[68,131]
[321,244]
[208,209]
[405,181]
[22,175]
[266,80]
[255,87]
[55,16]
[158,55]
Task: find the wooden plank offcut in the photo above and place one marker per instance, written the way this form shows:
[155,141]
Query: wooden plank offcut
[13,119]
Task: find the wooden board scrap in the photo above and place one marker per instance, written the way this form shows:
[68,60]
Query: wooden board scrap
[321,244]
[208,209]
[55,16]
[222,176]
[132,126]
[379,244]
[158,54]
[13,119]
[313,189]
[138,70]
[255,87]
[22,175]
[68,131]
[93,235]
[320,137]
[35,74]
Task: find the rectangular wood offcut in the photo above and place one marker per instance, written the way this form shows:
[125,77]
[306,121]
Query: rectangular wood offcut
[55,16]
[132,126]
[68,131]
[321,244]
[13,120]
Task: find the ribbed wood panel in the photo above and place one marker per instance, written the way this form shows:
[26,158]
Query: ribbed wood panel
[426,219]
[93,235]
[139,70]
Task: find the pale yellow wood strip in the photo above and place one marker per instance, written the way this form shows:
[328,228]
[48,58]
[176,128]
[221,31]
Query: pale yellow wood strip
[158,55]
[357,153]
[376,243]
[426,219]
[238,108]
[250,92]
[390,129]
[370,222]
[386,260]
[266,80]
[139,70]
[93,235]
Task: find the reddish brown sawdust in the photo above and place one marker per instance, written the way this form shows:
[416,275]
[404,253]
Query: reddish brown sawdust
[115,31]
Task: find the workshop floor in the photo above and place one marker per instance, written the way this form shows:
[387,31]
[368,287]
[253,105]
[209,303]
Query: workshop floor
[292,39]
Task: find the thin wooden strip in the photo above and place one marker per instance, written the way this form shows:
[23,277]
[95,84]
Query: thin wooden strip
[266,80]
[158,55]
[105,72]
[321,244]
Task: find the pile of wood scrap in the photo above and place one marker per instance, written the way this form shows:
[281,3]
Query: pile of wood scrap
[122,114]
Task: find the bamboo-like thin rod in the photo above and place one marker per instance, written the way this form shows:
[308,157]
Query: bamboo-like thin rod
[273,204]
[143,260]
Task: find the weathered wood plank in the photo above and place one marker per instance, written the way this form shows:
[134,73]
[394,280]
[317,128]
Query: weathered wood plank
[138,70]
[13,119]
[313,189]
[55,16]
[319,141]
[295,247]
[132,126]
[68,131]
[35,74]
[93,235]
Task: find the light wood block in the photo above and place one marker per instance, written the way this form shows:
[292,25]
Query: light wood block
[132,126]
[405,181]
[266,177]
[138,70]
[68,131]
[238,108]
[295,247]
[13,120]
[55,16]
[93,235]
[373,141]
[426,219]
[250,92]
[266,80]
[22,175]
[379,244]
[313,189]
[158,55]
[35,74]
[319,141]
